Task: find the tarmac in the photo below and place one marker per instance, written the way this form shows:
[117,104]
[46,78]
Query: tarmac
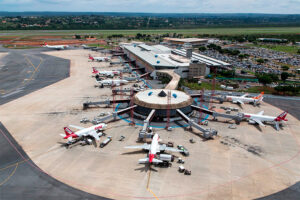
[21,179]
[25,71]
[249,162]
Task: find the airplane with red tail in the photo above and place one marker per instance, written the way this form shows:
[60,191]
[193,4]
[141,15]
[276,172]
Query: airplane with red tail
[244,99]
[153,149]
[92,131]
[259,118]
[106,73]
[99,59]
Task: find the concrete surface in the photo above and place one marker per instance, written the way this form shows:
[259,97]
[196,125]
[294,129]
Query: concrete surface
[243,163]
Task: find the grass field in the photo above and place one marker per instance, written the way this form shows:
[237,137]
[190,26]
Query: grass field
[104,33]
[283,48]
[203,85]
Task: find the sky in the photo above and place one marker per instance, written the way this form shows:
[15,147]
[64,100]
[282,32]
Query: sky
[156,6]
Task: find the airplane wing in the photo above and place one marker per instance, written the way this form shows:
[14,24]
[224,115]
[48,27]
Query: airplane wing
[244,95]
[77,127]
[259,122]
[156,160]
[146,160]
[163,147]
[260,113]
[277,125]
[143,160]
[172,149]
[144,146]
[239,101]
[95,135]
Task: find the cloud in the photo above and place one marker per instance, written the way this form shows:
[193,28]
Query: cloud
[170,6]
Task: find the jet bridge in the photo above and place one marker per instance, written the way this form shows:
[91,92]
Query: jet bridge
[205,96]
[207,133]
[238,118]
[143,133]
[105,102]
[114,115]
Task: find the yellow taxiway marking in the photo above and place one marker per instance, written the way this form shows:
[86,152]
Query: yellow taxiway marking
[35,68]
[148,182]
[13,172]
[17,163]
[152,193]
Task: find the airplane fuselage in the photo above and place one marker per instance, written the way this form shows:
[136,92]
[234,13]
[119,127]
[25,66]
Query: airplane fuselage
[236,99]
[86,131]
[153,148]
[262,118]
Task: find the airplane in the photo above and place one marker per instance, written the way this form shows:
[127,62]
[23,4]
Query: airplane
[153,149]
[243,99]
[259,118]
[114,82]
[91,131]
[105,73]
[99,59]
[57,47]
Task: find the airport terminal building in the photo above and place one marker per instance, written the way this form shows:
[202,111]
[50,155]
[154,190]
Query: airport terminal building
[159,57]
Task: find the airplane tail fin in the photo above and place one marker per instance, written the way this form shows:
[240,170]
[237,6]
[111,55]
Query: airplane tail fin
[91,57]
[95,71]
[259,97]
[68,131]
[282,116]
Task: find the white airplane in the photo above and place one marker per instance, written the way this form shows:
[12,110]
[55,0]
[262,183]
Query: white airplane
[112,82]
[259,118]
[91,131]
[57,47]
[106,73]
[243,99]
[99,59]
[153,149]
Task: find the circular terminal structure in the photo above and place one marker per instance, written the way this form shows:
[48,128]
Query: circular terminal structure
[162,100]
[158,99]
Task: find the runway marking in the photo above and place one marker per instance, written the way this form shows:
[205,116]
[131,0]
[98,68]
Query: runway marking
[10,175]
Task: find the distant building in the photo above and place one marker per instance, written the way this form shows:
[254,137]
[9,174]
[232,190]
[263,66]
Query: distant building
[197,69]
[276,40]
[194,42]
[159,57]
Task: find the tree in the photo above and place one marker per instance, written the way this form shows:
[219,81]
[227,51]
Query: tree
[202,48]
[298,51]
[260,60]
[264,79]
[285,68]
[284,76]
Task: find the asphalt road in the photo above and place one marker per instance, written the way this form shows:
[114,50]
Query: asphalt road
[24,71]
[290,105]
